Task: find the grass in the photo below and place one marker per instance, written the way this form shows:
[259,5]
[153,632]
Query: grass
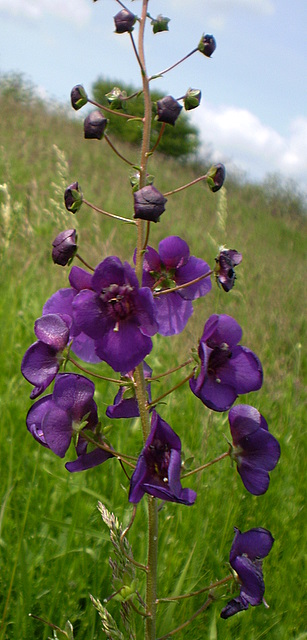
[54,547]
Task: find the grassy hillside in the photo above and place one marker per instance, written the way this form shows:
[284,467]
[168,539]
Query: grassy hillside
[53,545]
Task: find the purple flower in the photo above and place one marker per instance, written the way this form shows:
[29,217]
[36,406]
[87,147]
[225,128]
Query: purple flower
[61,302]
[125,403]
[255,450]
[148,203]
[42,360]
[170,267]
[246,555]
[168,110]
[227,369]
[158,468]
[226,261]
[64,247]
[117,314]
[124,21]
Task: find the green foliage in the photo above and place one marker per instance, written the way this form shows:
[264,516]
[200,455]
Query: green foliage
[180,141]
[54,547]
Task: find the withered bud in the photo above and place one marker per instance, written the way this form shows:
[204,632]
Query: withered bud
[160,23]
[216,176]
[226,261]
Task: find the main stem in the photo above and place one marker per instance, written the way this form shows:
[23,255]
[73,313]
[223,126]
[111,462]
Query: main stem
[152,556]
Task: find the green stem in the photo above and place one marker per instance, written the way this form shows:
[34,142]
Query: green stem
[208,464]
[154,402]
[107,213]
[182,286]
[192,594]
[121,383]
[187,622]
[185,186]
[131,164]
[166,373]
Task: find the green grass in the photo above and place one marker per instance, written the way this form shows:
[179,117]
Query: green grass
[54,547]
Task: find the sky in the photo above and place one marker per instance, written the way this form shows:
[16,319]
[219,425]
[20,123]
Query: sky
[253,112]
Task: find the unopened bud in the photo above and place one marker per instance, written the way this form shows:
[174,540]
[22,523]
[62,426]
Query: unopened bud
[78,97]
[216,177]
[73,197]
[192,99]
[115,98]
[94,125]
[124,21]
[168,110]
[207,45]
[148,203]
[64,247]
[160,23]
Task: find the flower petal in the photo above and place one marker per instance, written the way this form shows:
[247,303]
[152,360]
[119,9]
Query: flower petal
[88,460]
[173,313]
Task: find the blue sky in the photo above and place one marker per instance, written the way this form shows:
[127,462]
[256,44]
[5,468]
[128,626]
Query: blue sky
[253,113]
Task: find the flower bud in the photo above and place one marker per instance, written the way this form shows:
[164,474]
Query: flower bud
[64,247]
[124,21]
[78,97]
[168,110]
[135,180]
[216,177]
[192,99]
[115,98]
[148,203]
[160,23]
[224,268]
[94,125]
[207,45]
[73,197]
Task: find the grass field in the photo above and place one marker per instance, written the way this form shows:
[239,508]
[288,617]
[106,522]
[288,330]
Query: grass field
[54,547]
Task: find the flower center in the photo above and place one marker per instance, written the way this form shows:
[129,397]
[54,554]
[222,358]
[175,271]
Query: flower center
[163,279]
[119,300]
[218,357]
[157,458]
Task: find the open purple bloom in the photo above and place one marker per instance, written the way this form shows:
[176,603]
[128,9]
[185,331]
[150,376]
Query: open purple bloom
[169,267]
[158,468]
[226,261]
[255,450]
[125,403]
[61,302]
[227,369]
[117,314]
[57,418]
[246,555]
[42,360]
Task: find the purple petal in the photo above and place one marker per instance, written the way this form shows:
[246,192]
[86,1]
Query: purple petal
[255,543]
[137,491]
[53,330]
[84,347]
[73,393]
[35,418]
[255,479]
[214,395]
[221,329]
[151,262]
[174,252]
[234,606]
[194,268]
[246,369]
[243,419]
[125,348]
[173,313]
[261,449]
[146,312]
[123,407]
[60,302]
[109,271]
[88,314]
[250,574]
[80,279]
[57,428]
[39,366]
[88,460]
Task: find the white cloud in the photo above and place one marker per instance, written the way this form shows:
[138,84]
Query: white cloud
[266,7]
[239,139]
[76,11]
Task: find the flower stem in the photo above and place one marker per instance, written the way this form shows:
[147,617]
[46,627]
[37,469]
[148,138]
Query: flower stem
[187,622]
[85,263]
[161,73]
[117,152]
[107,213]
[166,373]
[121,383]
[183,286]
[185,186]
[205,466]
[154,402]
[213,585]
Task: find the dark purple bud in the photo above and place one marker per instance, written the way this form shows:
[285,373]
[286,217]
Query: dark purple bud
[124,21]
[168,110]
[78,97]
[94,125]
[160,23]
[207,45]
[64,247]
[216,177]
[192,99]
[226,261]
[73,197]
[148,203]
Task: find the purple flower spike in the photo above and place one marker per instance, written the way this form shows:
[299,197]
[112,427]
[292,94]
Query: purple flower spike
[55,419]
[158,468]
[42,360]
[170,267]
[227,369]
[125,403]
[246,555]
[117,314]
[255,451]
